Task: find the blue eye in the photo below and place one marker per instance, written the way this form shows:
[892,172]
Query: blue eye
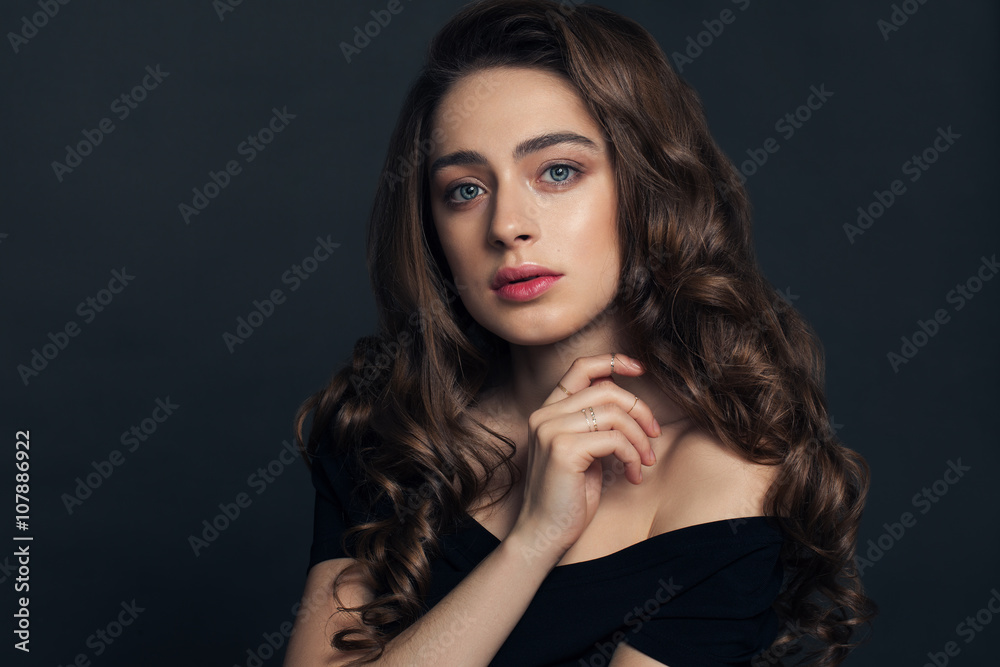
[467,192]
[560,173]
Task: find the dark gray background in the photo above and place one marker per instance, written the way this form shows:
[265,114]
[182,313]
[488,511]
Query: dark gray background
[162,336]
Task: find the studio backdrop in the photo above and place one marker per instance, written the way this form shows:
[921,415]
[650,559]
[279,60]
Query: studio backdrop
[186,187]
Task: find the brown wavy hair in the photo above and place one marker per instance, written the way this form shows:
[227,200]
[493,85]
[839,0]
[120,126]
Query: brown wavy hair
[697,311]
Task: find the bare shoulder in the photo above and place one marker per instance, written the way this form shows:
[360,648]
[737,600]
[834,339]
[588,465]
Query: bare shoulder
[700,480]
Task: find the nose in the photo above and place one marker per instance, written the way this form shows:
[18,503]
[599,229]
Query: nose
[515,218]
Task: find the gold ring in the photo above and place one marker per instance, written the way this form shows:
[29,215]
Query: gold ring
[612,363]
[593,416]
[568,392]
[633,404]
[584,411]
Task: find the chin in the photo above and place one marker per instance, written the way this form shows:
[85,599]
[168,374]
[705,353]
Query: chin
[533,342]
[537,337]
[556,326]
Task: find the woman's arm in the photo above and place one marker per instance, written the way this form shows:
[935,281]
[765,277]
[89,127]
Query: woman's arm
[627,656]
[467,627]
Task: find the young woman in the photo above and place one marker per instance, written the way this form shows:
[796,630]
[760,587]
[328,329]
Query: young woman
[589,432]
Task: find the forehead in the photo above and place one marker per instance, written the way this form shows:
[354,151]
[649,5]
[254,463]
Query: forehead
[499,107]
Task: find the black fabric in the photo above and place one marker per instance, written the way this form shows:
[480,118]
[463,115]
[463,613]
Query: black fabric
[695,597]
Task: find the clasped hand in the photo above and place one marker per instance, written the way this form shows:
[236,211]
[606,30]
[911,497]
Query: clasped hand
[577,425]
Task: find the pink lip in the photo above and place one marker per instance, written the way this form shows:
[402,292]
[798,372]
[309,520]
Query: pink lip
[528,289]
[524,282]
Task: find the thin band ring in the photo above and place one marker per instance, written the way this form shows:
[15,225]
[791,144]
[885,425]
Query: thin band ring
[612,363]
[593,416]
[633,404]
[568,392]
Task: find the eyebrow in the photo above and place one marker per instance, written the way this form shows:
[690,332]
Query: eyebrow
[526,147]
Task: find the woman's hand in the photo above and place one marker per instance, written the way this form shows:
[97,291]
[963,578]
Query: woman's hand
[564,472]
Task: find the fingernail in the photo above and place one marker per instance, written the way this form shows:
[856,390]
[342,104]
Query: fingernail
[656,425]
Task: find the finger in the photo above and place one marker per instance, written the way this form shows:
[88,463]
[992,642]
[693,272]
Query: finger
[584,370]
[585,450]
[633,406]
[609,417]
[633,430]
[609,392]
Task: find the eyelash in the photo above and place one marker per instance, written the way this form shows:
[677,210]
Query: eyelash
[576,172]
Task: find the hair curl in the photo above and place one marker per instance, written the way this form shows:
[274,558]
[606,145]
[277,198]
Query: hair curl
[718,339]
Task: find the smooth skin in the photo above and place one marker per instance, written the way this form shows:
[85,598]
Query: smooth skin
[527,177]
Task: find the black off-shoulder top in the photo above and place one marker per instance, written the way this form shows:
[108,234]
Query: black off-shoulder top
[698,596]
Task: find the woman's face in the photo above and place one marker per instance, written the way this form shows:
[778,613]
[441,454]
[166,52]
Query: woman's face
[520,174]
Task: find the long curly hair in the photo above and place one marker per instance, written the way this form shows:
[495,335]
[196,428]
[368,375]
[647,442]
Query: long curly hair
[717,338]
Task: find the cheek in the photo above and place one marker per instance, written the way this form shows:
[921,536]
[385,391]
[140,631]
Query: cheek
[456,253]
[454,266]
[604,232]
[445,237]
[597,216]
